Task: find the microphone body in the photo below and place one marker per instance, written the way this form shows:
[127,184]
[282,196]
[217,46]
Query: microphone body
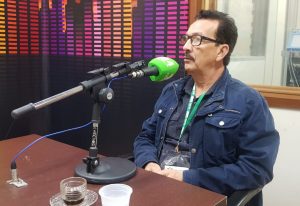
[159,69]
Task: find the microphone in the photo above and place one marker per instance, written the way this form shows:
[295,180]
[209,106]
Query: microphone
[105,75]
[159,69]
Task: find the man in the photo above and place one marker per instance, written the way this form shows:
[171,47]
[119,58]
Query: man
[207,128]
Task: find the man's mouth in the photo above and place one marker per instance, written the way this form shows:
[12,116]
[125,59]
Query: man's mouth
[188,57]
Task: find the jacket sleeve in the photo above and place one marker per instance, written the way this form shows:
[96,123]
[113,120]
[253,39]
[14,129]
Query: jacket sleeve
[257,151]
[145,146]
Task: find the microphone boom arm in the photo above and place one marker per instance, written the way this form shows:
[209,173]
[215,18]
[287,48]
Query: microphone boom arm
[85,85]
[17,113]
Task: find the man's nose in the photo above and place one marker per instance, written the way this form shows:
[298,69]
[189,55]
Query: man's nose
[187,45]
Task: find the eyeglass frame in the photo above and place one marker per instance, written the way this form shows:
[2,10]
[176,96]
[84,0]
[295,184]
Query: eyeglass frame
[202,38]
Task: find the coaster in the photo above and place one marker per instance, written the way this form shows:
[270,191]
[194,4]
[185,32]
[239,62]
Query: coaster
[90,198]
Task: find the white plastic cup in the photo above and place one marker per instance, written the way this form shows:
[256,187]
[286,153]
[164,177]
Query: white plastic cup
[115,195]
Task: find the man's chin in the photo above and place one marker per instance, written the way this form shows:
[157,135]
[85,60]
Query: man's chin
[187,69]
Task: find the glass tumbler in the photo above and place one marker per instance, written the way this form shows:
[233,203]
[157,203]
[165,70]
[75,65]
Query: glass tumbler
[73,190]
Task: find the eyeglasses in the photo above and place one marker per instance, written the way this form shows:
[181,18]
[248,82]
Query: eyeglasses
[196,39]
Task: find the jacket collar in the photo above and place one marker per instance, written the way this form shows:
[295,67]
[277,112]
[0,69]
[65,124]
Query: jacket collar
[218,89]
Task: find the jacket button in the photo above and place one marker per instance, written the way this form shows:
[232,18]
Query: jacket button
[159,111]
[221,123]
[161,137]
[193,150]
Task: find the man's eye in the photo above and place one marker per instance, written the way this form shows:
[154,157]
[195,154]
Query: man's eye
[196,38]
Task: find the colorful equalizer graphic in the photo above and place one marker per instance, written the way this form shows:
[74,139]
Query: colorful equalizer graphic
[2,29]
[158,26]
[105,28]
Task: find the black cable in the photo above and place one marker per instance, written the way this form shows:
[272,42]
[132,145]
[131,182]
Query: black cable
[9,129]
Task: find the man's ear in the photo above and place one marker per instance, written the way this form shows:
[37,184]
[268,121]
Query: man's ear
[222,51]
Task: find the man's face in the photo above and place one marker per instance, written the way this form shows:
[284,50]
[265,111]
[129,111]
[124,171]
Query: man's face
[202,57]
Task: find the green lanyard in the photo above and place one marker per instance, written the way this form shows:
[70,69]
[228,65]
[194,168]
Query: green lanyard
[190,114]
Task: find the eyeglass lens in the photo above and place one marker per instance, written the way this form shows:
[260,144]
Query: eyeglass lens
[195,40]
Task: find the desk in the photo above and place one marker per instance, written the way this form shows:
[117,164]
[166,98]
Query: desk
[47,162]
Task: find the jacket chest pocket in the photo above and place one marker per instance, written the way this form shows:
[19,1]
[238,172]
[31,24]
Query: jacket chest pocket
[220,139]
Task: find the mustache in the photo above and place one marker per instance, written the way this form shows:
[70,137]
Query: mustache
[188,56]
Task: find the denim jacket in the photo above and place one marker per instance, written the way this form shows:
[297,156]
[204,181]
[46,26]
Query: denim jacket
[233,141]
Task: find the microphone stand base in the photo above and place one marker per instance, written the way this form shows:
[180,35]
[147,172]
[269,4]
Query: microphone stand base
[110,170]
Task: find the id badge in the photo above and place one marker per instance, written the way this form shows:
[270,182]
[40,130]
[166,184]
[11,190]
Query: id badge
[176,168]
[174,160]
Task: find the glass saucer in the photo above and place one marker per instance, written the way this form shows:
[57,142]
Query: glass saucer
[90,198]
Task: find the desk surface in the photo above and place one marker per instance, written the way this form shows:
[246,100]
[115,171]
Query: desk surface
[46,163]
